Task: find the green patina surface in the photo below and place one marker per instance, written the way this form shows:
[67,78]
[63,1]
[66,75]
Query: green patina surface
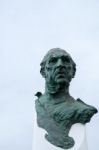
[56,109]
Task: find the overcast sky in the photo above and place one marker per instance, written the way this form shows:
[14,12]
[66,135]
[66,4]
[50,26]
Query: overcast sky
[28,29]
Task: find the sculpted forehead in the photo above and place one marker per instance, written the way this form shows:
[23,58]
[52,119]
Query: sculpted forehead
[56,52]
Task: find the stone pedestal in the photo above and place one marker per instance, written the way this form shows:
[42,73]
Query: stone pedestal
[78,132]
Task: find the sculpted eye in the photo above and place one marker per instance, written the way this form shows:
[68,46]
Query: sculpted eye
[53,60]
[66,59]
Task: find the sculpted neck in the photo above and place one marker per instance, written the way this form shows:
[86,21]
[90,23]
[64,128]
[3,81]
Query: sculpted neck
[57,89]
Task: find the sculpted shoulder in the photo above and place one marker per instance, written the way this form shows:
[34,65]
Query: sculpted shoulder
[84,111]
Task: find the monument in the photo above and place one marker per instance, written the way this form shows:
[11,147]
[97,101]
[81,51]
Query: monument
[56,109]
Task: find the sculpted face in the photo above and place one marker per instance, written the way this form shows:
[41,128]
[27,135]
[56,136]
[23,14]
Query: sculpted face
[58,67]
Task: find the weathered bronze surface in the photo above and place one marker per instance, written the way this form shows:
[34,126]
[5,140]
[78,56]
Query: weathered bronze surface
[56,109]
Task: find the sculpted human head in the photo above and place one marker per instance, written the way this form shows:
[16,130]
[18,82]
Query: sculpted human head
[58,67]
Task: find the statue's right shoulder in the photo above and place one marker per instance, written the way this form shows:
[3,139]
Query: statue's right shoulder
[40,103]
[38,94]
[40,99]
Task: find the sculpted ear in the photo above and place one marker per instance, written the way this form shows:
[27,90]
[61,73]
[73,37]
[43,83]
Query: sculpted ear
[42,70]
[74,69]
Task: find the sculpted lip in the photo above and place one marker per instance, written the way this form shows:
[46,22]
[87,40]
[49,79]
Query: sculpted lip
[60,73]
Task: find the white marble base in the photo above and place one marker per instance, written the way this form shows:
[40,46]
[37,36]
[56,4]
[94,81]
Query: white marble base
[77,131]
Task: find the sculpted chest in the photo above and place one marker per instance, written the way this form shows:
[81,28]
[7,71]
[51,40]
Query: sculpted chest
[57,119]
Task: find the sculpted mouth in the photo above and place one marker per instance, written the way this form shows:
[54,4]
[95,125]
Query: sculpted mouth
[61,75]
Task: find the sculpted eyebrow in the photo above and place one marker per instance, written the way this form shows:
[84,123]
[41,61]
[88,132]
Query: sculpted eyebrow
[53,59]
[66,58]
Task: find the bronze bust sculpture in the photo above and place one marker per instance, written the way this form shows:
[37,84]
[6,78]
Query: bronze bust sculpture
[56,109]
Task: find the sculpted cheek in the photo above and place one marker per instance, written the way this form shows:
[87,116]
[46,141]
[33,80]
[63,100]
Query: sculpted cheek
[49,73]
[70,71]
[69,68]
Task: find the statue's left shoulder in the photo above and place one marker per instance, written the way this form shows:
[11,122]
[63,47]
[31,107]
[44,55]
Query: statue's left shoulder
[84,111]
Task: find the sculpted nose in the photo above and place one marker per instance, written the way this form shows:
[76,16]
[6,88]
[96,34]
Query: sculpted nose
[60,63]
